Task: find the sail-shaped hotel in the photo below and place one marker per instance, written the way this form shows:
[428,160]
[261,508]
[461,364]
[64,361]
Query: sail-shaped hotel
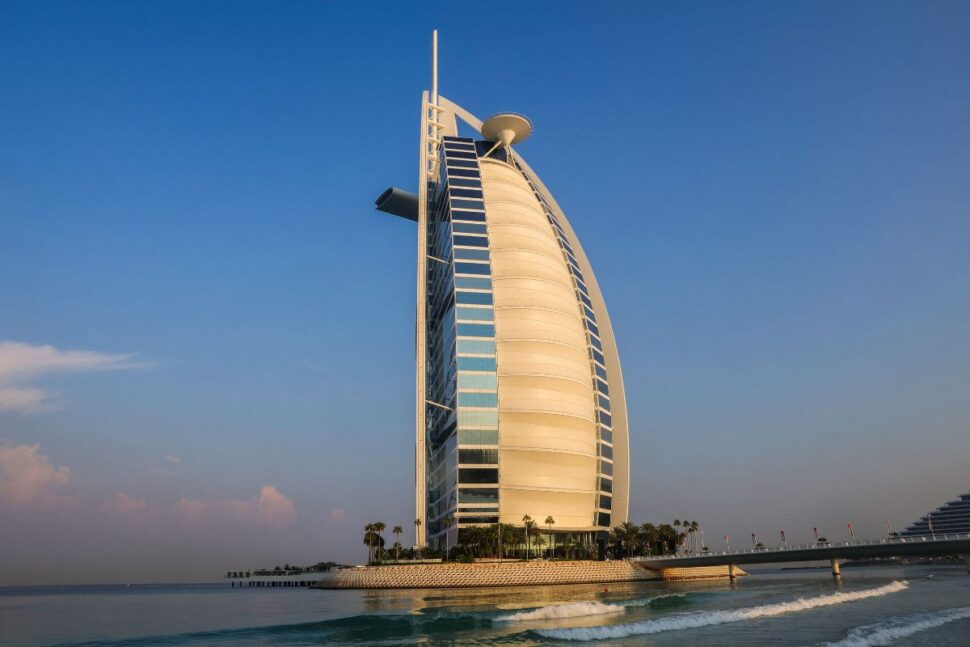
[520,401]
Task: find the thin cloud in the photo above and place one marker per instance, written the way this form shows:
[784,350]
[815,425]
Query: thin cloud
[271,508]
[28,477]
[173,459]
[122,503]
[23,364]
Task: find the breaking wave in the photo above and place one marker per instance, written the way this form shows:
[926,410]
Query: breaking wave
[594,608]
[657,602]
[707,618]
[885,633]
[570,610]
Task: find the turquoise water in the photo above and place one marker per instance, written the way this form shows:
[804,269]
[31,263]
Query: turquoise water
[869,606]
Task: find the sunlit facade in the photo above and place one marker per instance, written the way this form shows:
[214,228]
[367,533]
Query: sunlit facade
[520,401]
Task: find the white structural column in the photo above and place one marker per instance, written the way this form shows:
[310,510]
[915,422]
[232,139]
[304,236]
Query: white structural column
[547,424]
[421,334]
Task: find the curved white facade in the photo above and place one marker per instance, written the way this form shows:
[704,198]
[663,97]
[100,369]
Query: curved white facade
[547,422]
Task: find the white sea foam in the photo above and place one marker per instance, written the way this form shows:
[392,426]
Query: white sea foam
[885,633]
[570,610]
[644,602]
[707,618]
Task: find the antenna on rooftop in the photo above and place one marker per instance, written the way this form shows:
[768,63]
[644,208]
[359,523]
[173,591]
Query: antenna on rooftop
[434,67]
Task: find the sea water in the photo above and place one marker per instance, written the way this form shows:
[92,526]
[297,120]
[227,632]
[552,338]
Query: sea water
[915,605]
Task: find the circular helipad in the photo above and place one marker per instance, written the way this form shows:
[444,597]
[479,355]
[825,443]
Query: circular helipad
[507,127]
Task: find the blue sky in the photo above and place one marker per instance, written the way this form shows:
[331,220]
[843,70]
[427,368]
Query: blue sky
[775,198]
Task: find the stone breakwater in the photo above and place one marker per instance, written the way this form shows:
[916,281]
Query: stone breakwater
[488,574]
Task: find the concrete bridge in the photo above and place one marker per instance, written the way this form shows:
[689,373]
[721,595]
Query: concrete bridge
[924,546]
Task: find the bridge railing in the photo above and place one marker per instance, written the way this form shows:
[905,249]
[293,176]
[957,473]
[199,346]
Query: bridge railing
[816,546]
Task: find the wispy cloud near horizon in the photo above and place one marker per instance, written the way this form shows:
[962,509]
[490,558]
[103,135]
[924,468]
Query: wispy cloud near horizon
[23,364]
[271,507]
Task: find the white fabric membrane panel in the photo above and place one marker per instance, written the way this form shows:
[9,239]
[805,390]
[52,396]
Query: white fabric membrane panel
[547,429]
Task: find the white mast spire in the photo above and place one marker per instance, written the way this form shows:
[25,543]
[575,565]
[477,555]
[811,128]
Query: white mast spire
[434,68]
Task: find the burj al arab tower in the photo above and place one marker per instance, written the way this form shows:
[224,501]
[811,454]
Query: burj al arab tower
[520,402]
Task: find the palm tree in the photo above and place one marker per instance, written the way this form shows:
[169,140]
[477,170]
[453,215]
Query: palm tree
[693,532]
[686,526]
[378,529]
[649,533]
[552,549]
[528,525]
[397,545]
[631,533]
[417,527]
[370,537]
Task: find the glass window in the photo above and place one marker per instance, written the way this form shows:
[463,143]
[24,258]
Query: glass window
[471,241]
[457,163]
[483,381]
[472,268]
[483,456]
[473,283]
[606,485]
[600,371]
[477,216]
[601,386]
[582,287]
[477,519]
[477,418]
[606,502]
[477,399]
[466,193]
[477,475]
[594,340]
[585,300]
[598,356]
[462,172]
[603,402]
[593,327]
[469,228]
[606,419]
[481,298]
[467,204]
[476,364]
[475,314]
[605,450]
[475,347]
[472,183]
[472,254]
[478,436]
[476,330]
[589,313]
[603,519]
[454,153]
[606,434]
[606,468]
[477,495]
